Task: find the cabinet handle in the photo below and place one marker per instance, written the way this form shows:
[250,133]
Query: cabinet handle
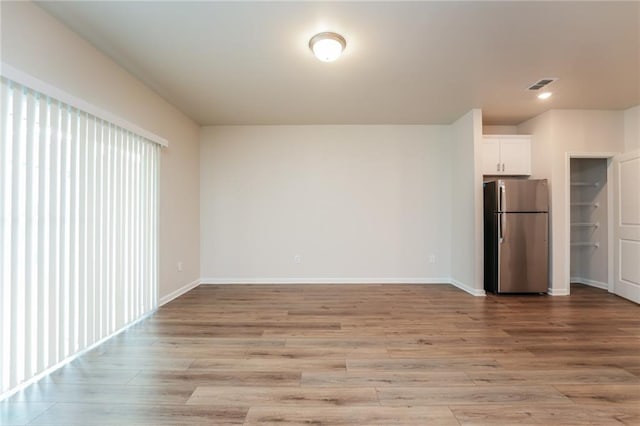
[503,167]
[498,167]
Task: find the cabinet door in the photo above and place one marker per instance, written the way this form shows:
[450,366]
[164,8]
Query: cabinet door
[515,155]
[491,156]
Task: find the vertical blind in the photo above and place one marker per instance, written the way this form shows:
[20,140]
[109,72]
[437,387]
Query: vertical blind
[78,231]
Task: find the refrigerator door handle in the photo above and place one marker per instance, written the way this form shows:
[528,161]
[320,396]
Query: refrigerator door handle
[503,225]
[502,203]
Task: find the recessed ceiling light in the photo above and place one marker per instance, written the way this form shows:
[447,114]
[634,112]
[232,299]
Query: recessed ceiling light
[327,46]
[544,95]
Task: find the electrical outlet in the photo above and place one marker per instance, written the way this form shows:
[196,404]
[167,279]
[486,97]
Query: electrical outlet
[432,258]
[297,258]
[180,266]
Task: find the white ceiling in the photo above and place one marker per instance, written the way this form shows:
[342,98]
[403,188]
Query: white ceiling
[405,62]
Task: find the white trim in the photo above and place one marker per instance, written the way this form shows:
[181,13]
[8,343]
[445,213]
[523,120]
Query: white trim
[509,135]
[567,214]
[177,293]
[73,357]
[558,292]
[34,83]
[592,283]
[478,207]
[596,155]
[611,230]
[428,281]
[464,287]
[252,280]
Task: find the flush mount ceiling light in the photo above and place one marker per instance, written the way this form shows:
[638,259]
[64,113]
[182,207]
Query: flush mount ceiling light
[544,95]
[327,46]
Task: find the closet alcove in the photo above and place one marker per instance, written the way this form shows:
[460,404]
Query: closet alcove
[589,221]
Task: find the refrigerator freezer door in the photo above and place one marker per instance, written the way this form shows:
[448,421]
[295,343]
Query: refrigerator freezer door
[490,196]
[523,265]
[517,195]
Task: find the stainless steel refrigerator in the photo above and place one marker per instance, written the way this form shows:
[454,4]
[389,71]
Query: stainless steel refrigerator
[516,236]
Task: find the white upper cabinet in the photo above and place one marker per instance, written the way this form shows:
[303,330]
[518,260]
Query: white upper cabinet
[506,155]
[491,164]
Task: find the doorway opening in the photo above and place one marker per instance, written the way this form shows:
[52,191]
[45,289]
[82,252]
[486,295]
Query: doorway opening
[590,218]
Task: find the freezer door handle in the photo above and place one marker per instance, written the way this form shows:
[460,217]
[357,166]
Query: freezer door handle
[503,198]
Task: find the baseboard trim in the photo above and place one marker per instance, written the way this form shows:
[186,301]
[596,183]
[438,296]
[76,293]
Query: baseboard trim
[442,280]
[592,283]
[179,292]
[558,292]
[325,281]
[464,287]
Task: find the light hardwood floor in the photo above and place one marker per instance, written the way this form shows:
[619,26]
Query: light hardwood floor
[355,355]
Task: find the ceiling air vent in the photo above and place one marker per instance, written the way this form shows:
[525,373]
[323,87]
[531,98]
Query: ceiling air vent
[541,83]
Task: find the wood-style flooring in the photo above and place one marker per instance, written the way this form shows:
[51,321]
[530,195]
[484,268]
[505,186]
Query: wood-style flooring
[354,355]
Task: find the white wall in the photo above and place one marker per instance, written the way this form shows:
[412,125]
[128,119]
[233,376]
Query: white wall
[632,129]
[467,229]
[541,166]
[36,43]
[357,203]
[499,130]
[558,133]
[540,130]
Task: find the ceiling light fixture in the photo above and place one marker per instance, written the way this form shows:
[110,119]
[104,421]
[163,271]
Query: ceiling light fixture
[544,95]
[327,46]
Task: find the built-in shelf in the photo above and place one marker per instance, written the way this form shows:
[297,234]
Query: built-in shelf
[593,184]
[586,244]
[588,218]
[594,205]
[586,224]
